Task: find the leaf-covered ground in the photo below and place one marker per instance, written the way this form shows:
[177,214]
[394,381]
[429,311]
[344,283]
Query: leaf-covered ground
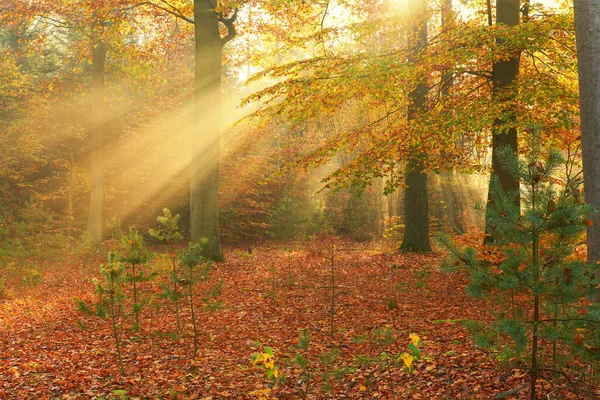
[49,350]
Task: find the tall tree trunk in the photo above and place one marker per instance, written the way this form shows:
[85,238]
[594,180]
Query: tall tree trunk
[95,227]
[448,18]
[504,74]
[587,24]
[70,194]
[447,181]
[416,208]
[204,209]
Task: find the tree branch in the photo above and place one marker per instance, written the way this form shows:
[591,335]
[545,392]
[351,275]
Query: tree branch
[509,392]
[168,9]
[566,377]
[593,321]
[229,24]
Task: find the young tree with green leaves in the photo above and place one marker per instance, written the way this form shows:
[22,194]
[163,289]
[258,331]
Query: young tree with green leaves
[545,317]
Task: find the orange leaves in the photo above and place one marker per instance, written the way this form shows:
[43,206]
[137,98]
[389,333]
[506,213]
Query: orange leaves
[495,270]
[492,255]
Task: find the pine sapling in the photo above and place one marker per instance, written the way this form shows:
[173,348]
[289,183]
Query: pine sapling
[136,255]
[169,233]
[302,360]
[532,268]
[110,297]
[330,256]
[192,258]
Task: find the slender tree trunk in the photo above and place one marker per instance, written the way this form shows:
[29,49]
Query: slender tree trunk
[504,74]
[416,208]
[587,24]
[190,276]
[174,272]
[447,181]
[70,216]
[447,23]
[96,216]
[204,210]
[114,323]
[136,309]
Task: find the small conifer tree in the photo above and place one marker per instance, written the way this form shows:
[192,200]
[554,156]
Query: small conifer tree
[169,233]
[530,269]
[197,266]
[110,297]
[136,255]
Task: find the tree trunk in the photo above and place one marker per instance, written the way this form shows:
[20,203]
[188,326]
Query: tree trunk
[416,208]
[70,195]
[95,227]
[587,24]
[447,182]
[504,74]
[204,211]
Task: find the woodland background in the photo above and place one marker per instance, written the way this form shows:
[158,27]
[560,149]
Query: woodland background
[329,163]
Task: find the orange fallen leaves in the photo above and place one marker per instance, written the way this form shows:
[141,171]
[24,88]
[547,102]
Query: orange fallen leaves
[50,351]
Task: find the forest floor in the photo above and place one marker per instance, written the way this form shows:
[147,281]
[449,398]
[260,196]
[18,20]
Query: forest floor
[50,350]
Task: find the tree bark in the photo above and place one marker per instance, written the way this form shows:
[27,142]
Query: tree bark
[95,228]
[416,207]
[204,210]
[504,74]
[587,26]
[70,194]
[447,181]
[416,210]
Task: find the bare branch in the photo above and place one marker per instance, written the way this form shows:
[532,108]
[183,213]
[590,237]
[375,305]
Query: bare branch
[229,24]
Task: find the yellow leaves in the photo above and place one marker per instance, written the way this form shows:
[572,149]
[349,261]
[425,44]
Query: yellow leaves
[362,388]
[262,394]
[267,360]
[408,360]
[415,339]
